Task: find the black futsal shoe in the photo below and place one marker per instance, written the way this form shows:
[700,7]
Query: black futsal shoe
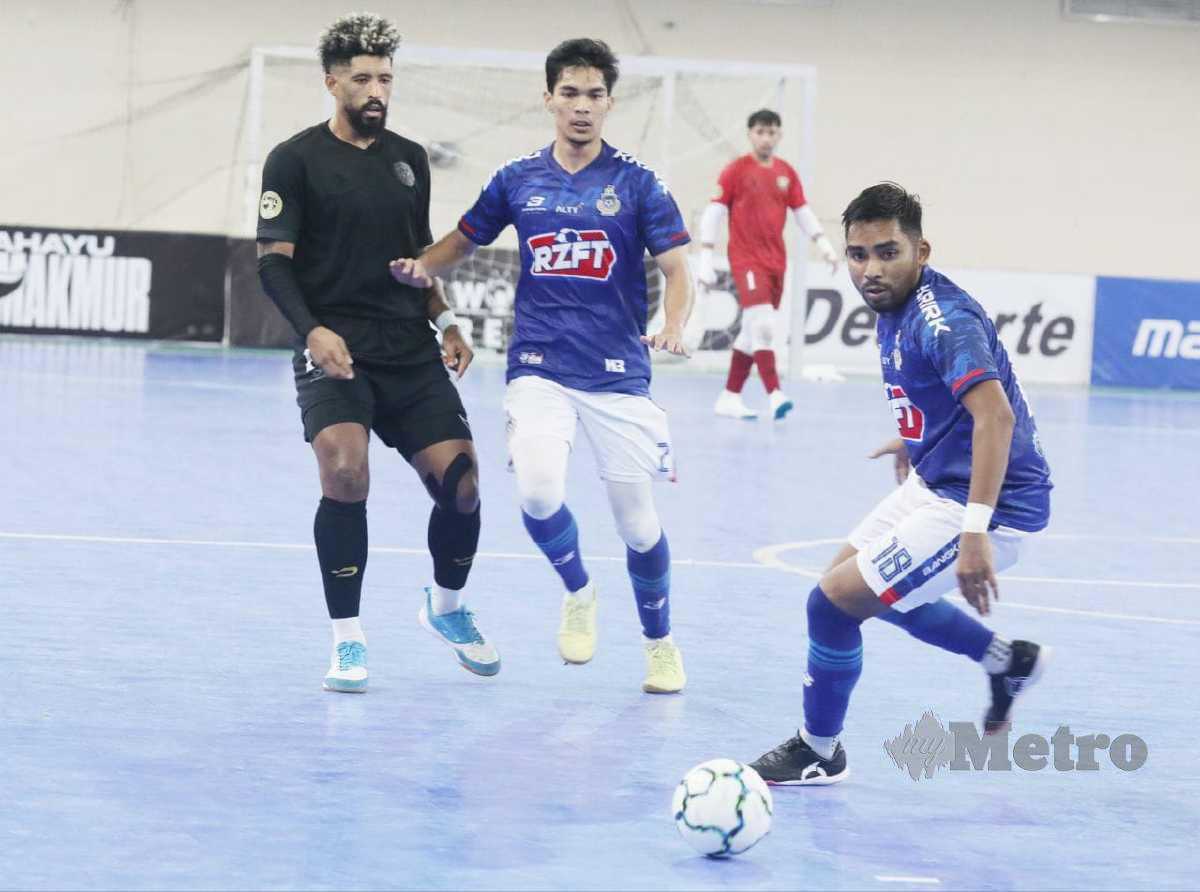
[794,763]
[1028,662]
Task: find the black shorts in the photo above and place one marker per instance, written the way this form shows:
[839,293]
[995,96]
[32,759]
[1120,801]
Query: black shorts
[409,407]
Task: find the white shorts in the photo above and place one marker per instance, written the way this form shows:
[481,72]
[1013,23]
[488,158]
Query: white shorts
[908,546]
[628,433]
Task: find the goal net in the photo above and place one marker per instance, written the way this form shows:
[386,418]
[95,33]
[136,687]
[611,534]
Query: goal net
[473,110]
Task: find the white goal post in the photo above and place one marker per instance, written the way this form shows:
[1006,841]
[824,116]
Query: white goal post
[475,109]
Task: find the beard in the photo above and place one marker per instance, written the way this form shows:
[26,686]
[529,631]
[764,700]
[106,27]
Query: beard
[364,126]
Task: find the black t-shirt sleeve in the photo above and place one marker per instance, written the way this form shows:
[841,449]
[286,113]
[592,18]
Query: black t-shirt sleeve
[281,205]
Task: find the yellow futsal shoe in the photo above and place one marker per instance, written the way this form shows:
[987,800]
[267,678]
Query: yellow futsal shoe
[577,630]
[664,667]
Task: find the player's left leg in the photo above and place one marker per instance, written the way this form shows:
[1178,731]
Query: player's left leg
[632,445]
[450,473]
[648,560]
[419,413]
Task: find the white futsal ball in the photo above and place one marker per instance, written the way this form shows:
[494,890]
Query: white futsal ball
[722,807]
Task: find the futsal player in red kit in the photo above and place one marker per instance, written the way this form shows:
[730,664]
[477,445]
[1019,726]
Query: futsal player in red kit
[756,191]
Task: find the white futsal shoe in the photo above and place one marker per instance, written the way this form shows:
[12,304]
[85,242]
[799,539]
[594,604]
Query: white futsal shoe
[348,668]
[730,405]
[781,404]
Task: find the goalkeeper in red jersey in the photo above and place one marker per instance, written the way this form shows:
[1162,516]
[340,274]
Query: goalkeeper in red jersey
[756,191]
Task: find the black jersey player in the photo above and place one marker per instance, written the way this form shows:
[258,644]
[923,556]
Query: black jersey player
[339,200]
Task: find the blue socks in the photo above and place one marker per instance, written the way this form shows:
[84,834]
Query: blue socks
[944,625]
[650,573]
[834,665]
[558,538]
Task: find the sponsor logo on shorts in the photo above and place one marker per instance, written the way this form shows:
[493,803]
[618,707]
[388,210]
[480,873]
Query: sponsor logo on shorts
[573,254]
[614,365]
[530,357]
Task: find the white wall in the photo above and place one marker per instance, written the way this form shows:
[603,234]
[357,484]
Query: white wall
[1036,143]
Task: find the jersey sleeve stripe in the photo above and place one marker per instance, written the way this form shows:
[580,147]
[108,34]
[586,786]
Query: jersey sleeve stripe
[969,376]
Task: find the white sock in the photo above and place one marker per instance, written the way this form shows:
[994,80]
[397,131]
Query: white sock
[444,600]
[649,641]
[822,746]
[349,629]
[998,656]
[585,595]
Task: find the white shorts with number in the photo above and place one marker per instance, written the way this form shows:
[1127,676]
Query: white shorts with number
[908,546]
[628,433]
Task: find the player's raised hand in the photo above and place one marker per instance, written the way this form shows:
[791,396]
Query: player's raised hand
[408,271]
[899,451]
[329,351]
[669,339]
[976,572]
[456,352]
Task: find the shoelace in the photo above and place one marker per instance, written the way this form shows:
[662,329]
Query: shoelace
[462,621]
[577,617]
[350,654]
[662,657]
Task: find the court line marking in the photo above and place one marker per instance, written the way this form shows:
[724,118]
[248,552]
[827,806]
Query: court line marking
[925,880]
[766,559]
[928,881]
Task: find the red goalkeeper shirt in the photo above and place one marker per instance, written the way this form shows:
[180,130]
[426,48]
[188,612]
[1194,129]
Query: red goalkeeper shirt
[758,198]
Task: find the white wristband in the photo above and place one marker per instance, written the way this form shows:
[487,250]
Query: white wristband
[977,517]
[445,319]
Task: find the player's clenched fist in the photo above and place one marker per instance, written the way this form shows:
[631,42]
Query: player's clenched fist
[329,351]
[408,271]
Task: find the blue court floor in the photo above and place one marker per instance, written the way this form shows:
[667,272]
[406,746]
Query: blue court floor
[162,723]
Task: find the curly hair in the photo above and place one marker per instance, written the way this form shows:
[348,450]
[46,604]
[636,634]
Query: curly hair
[357,34]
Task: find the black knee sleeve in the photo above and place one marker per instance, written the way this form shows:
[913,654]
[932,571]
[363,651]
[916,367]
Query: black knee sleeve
[445,494]
[453,538]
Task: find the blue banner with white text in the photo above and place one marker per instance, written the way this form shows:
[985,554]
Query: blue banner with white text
[1147,333]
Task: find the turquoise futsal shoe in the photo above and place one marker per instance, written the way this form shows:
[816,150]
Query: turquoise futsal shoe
[348,668]
[458,631]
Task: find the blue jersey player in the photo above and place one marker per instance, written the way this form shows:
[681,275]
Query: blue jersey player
[979,486]
[585,215]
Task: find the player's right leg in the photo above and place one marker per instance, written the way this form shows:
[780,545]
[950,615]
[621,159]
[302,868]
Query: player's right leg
[340,533]
[741,361]
[541,429]
[337,415]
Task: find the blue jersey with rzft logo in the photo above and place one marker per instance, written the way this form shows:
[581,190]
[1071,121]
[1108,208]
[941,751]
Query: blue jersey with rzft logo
[933,349]
[580,307]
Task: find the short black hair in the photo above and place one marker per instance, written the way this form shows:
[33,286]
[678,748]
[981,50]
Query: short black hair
[764,116]
[358,34]
[582,52]
[885,201]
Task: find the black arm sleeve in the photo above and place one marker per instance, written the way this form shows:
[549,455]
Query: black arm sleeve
[279,281]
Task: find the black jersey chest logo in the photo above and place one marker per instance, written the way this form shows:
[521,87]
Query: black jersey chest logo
[404,173]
